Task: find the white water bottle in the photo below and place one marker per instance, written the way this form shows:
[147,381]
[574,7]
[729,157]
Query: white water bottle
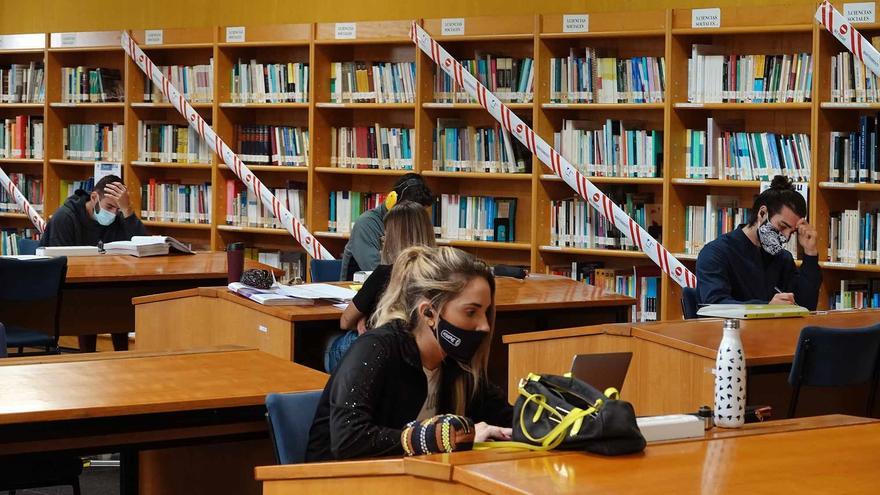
[730,378]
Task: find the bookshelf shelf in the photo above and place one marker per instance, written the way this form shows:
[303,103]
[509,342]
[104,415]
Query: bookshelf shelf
[742,106]
[258,106]
[717,183]
[159,165]
[5,214]
[686,256]
[849,186]
[512,246]
[610,180]
[142,104]
[118,105]
[476,175]
[603,106]
[265,44]
[638,33]
[486,37]
[771,29]
[176,46]
[366,106]
[402,40]
[611,253]
[835,265]
[177,225]
[472,106]
[252,230]
[360,171]
[23,161]
[828,105]
[332,235]
[77,163]
[20,106]
[271,168]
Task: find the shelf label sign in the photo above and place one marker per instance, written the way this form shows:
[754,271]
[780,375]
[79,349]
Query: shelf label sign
[452,26]
[68,39]
[706,18]
[346,30]
[154,36]
[860,12]
[575,23]
[235,34]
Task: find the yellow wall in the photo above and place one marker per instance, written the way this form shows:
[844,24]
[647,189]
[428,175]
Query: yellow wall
[27,16]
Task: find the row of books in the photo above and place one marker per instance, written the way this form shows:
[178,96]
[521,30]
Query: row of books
[87,85]
[855,156]
[372,82]
[641,283]
[474,218]
[372,147]
[9,240]
[170,143]
[856,294]
[98,142]
[23,83]
[593,79]
[245,209]
[175,202]
[292,263]
[254,82]
[273,145]
[196,82]
[511,79]
[852,235]
[31,186]
[459,147]
[725,154]
[703,224]
[22,137]
[716,76]
[347,206]
[66,187]
[576,223]
[614,149]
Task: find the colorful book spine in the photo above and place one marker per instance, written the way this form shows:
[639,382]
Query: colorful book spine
[372,82]
[31,186]
[244,209]
[510,79]
[372,147]
[614,148]
[176,202]
[584,77]
[171,143]
[459,147]
[196,82]
[273,145]
[22,137]
[576,224]
[347,206]
[474,218]
[23,83]
[254,82]
[93,142]
[87,85]
[715,76]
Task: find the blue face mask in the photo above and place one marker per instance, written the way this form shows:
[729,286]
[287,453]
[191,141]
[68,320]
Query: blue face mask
[103,217]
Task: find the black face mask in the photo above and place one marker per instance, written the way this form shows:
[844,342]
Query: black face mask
[458,343]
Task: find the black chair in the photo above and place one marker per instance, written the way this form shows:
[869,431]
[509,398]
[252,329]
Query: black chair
[2,341]
[835,357]
[28,246]
[689,303]
[28,282]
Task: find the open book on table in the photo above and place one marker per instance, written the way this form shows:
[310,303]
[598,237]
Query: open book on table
[147,245]
[269,297]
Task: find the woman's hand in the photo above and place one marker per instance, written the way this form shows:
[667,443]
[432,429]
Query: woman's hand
[485,432]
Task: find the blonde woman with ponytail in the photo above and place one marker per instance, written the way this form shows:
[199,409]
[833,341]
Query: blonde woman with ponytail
[425,355]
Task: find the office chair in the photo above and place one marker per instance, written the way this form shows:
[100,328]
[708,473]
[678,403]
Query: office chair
[28,246]
[32,281]
[290,418]
[2,341]
[835,357]
[689,303]
[326,270]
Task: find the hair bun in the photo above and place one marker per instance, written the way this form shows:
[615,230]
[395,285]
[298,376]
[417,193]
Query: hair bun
[781,182]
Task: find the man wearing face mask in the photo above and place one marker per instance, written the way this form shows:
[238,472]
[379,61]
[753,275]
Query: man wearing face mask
[84,219]
[751,265]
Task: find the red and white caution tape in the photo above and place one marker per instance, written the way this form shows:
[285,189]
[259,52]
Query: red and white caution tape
[290,223]
[838,25]
[22,202]
[550,157]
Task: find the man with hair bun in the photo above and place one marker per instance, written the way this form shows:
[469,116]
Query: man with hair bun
[751,265]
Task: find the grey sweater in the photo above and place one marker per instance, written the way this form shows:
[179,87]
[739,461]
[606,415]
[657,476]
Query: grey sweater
[362,250]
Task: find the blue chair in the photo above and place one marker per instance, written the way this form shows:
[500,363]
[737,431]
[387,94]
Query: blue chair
[290,419]
[689,303]
[28,246]
[835,357]
[23,283]
[326,270]
[2,341]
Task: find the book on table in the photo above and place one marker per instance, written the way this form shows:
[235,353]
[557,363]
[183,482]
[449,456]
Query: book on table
[269,297]
[147,245]
[752,311]
[68,251]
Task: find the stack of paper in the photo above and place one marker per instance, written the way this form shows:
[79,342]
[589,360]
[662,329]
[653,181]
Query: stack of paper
[68,251]
[147,245]
[269,297]
[752,311]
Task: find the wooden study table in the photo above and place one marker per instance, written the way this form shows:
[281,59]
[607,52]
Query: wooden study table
[774,457]
[185,422]
[214,316]
[671,370]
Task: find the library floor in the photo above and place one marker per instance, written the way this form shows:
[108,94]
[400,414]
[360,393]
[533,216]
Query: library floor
[93,481]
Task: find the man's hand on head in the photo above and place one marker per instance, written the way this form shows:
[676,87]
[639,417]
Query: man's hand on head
[119,194]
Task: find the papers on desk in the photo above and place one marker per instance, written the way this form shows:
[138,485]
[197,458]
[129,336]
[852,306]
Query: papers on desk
[752,311]
[318,291]
[147,245]
[25,257]
[270,297]
[68,251]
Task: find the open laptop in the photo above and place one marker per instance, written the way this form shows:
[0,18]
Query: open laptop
[602,370]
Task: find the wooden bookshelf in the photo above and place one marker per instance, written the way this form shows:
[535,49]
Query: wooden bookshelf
[667,33]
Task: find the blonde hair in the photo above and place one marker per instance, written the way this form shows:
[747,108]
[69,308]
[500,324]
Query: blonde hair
[407,224]
[438,275]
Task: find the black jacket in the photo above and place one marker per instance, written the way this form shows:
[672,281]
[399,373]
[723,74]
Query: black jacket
[380,386]
[732,270]
[71,225]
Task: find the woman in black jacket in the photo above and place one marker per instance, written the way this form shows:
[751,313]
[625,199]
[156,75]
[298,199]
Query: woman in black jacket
[425,355]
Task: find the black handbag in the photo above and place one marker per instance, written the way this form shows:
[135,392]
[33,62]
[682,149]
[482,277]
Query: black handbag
[562,412]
